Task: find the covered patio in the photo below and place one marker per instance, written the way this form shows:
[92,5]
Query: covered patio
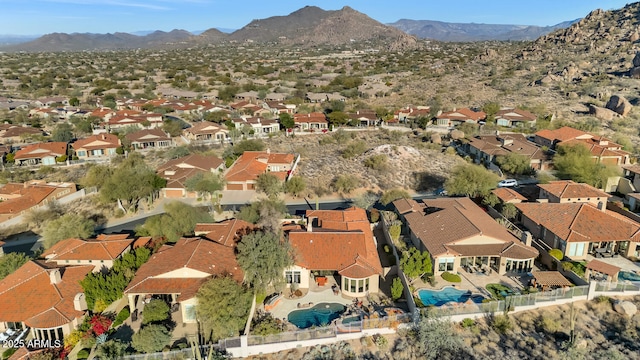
[599,270]
[549,280]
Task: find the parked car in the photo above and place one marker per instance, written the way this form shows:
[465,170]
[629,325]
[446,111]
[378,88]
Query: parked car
[508,183]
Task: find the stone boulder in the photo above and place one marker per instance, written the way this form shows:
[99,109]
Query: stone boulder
[436,138]
[626,308]
[619,104]
[636,59]
[457,134]
[601,113]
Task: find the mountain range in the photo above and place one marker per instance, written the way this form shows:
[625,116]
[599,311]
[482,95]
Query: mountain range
[308,26]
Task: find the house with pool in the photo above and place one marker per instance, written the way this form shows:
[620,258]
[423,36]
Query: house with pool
[336,244]
[460,235]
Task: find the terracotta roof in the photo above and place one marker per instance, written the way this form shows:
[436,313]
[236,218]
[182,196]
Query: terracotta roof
[30,195]
[253,163]
[100,141]
[177,171]
[581,222]
[603,267]
[40,150]
[148,135]
[450,221]
[551,278]
[597,150]
[204,256]
[404,206]
[205,127]
[28,295]
[565,189]
[15,131]
[227,232]
[342,241]
[314,117]
[463,115]
[515,115]
[78,249]
[634,168]
[563,134]
[141,241]
[507,195]
[497,145]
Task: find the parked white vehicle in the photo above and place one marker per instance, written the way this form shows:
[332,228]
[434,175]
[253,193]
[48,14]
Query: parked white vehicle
[508,183]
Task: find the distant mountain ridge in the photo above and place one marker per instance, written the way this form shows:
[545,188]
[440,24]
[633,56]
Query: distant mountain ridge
[445,31]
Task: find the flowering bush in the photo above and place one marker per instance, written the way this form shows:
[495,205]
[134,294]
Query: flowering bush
[100,324]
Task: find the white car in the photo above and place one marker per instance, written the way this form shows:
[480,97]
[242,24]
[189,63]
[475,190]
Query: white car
[508,183]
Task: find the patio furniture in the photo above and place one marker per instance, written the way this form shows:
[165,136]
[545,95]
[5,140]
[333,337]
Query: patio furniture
[321,280]
[175,307]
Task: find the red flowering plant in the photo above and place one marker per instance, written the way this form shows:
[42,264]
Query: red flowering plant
[100,324]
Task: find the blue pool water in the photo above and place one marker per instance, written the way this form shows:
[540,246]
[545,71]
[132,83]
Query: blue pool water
[446,295]
[628,275]
[319,315]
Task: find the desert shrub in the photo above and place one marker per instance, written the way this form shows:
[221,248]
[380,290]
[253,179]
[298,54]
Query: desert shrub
[455,278]
[548,324]
[354,149]
[155,310]
[468,322]
[121,317]
[602,299]
[501,324]
[393,195]
[396,289]
[380,341]
[83,354]
[377,162]
[374,215]
[556,253]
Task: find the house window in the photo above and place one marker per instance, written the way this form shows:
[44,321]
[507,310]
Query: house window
[82,153]
[293,277]
[66,261]
[346,284]
[445,264]
[366,284]
[360,286]
[353,286]
[190,312]
[576,249]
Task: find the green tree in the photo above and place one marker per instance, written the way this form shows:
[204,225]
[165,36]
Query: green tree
[248,145]
[337,118]
[173,128]
[156,310]
[394,232]
[258,211]
[74,101]
[269,184]
[415,263]
[179,219]
[366,200]
[63,132]
[295,186]
[177,152]
[67,226]
[150,339]
[263,257]
[111,350]
[491,200]
[397,289]
[223,307]
[509,211]
[514,163]
[392,195]
[11,262]
[574,162]
[354,148]
[286,120]
[471,180]
[346,183]
[205,183]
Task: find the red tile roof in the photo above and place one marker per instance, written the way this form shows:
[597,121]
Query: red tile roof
[99,141]
[78,249]
[563,134]
[603,267]
[253,163]
[463,115]
[581,222]
[158,275]
[515,115]
[227,232]
[28,295]
[508,195]
[177,171]
[40,150]
[148,135]
[565,189]
[342,241]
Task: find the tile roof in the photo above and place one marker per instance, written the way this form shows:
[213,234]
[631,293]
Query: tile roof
[40,150]
[227,232]
[603,267]
[28,295]
[207,257]
[596,149]
[515,115]
[463,114]
[314,117]
[79,249]
[99,141]
[205,127]
[15,131]
[342,241]
[551,278]
[508,195]
[253,163]
[511,250]
[562,134]
[581,222]
[448,221]
[28,196]
[565,189]
[177,171]
[504,144]
[154,134]
[404,206]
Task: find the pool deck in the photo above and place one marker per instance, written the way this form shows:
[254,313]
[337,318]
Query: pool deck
[285,306]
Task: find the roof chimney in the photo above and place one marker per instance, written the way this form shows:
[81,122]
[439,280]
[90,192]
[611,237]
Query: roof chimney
[79,302]
[526,238]
[55,277]
[602,206]
[310,223]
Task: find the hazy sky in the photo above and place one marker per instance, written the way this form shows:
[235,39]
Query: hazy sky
[36,17]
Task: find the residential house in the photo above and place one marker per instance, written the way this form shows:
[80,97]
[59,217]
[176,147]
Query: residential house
[50,101]
[250,96]
[260,126]
[364,118]
[207,131]
[16,198]
[178,171]
[411,113]
[508,195]
[44,297]
[322,97]
[177,93]
[129,118]
[515,118]
[17,134]
[150,139]
[96,147]
[629,185]
[41,153]
[488,148]
[227,232]
[567,191]
[276,97]
[176,272]
[459,116]
[100,252]
[602,150]
[312,121]
[337,243]
[458,234]
[581,228]
[277,107]
[243,174]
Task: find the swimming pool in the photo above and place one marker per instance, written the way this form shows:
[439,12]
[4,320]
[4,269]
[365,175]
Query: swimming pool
[446,295]
[319,315]
[628,275]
